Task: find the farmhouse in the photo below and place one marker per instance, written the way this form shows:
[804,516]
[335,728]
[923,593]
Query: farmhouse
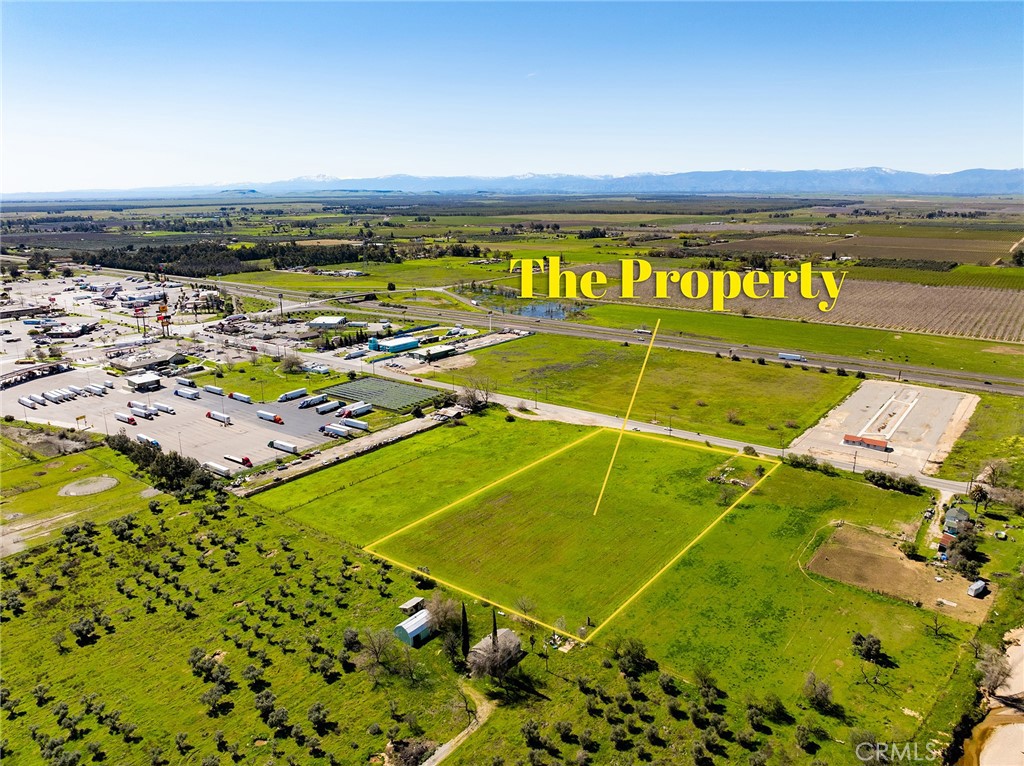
[863,441]
[954,517]
[414,630]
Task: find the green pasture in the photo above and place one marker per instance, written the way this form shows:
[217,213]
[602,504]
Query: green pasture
[29,490]
[995,432]
[857,342]
[534,537]
[697,391]
[361,500]
[740,601]
[263,379]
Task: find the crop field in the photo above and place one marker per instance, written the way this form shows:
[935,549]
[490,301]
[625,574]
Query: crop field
[859,342]
[741,601]
[979,251]
[767,404]
[380,392]
[964,312]
[967,276]
[363,499]
[532,542]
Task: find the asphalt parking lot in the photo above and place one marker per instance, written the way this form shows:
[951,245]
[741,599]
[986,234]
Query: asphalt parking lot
[188,431]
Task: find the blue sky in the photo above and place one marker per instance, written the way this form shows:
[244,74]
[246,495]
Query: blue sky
[143,94]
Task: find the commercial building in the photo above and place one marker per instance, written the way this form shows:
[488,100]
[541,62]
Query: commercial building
[143,382]
[432,353]
[393,345]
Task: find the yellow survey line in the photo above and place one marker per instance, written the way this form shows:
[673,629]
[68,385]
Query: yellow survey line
[495,483]
[681,553]
[625,420]
[471,594]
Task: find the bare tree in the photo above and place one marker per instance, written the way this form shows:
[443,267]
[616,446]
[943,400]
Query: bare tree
[495,659]
[444,614]
[994,667]
[378,649]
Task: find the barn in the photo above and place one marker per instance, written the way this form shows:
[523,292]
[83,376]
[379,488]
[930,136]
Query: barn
[415,630]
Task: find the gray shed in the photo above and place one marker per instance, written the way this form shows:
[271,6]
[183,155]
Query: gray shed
[412,606]
[415,630]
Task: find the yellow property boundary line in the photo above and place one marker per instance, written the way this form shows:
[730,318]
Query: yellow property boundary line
[682,553]
[625,420]
[474,493]
[458,589]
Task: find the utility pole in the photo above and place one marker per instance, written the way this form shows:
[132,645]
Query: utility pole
[855,461]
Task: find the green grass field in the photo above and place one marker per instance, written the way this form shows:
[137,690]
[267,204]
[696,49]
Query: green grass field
[30,489]
[413,273]
[857,342]
[263,379]
[363,499]
[600,376]
[995,432]
[740,601]
[534,536]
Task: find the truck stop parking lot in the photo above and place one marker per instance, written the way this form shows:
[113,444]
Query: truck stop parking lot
[188,431]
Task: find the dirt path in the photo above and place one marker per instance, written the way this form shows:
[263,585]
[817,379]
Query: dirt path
[484,708]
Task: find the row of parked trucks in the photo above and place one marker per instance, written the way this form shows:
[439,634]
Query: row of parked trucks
[60,395]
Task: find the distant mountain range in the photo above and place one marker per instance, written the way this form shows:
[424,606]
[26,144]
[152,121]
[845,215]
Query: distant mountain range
[849,181]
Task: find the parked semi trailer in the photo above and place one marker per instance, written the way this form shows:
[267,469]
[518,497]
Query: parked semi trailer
[217,468]
[331,429]
[283,446]
[356,409]
[323,409]
[298,393]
